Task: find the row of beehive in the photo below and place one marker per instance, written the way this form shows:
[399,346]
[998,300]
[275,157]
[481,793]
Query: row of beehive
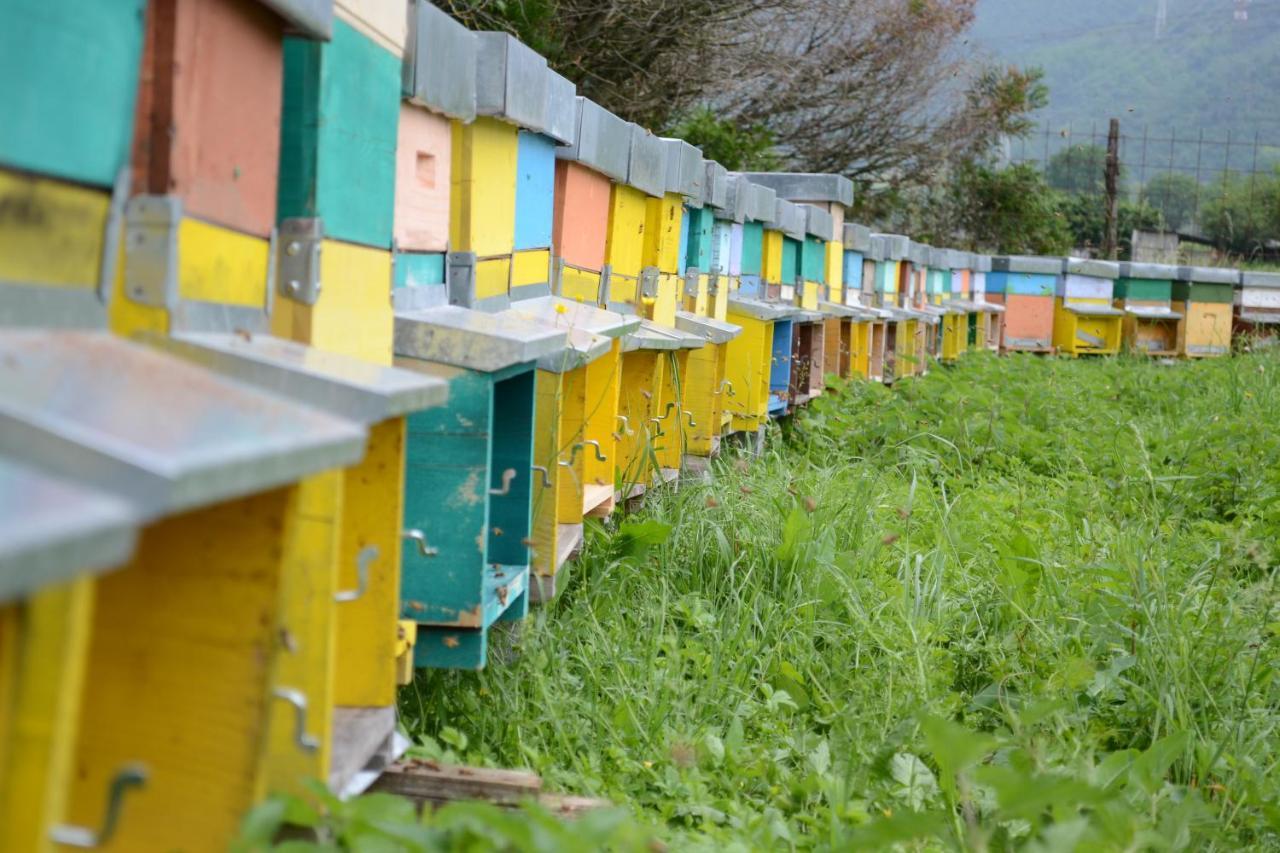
[324,330]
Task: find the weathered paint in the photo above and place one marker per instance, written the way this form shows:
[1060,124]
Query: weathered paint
[559,498]
[704,398]
[602,379]
[209,110]
[50,232]
[669,448]
[214,264]
[581,216]
[751,254]
[535,191]
[456,455]
[424,177]
[747,367]
[662,250]
[373,497]
[353,315]
[68,82]
[166,679]
[837,342]
[638,402]
[417,269]
[1207,309]
[338,143]
[43,652]
[625,243]
[1028,300]
[780,368]
[305,654]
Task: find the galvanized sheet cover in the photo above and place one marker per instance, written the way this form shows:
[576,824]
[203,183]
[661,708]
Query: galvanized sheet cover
[647,166]
[1092,267]
[602,141]
[760,309]
[1150,272]
[715,185]
[511,81]
[569,314]
[1032,264]
[738,195]
[807,186]
[685,171]
[651,336]
[473,340]
[338,384]
[1260,279]
[857,237]
[562,109]
[1209,275]
[581,348]
[982,263]
[835,309]
[311,18]
[789,218]
[896,246]
[819,223]
[707,328]
[875,248]
[52,530]
[440,63]
[959,260]
[762,204]
[152,428]
[918,253]
[1260,317]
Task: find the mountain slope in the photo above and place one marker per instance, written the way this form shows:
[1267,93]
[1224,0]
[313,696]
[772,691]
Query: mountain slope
[1207,71]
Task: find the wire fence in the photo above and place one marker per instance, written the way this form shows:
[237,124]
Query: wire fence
[1180,174]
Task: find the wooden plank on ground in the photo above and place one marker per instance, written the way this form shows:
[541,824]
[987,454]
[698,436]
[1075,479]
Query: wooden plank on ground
[433,784]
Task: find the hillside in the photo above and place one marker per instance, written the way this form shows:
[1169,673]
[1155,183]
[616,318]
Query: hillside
[1207,71]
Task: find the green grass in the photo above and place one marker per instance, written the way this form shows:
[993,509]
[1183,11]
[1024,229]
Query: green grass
[1022,603]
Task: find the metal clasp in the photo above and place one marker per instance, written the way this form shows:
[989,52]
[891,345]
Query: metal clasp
[306,742]
[626,425]
[367,555]
[546,475]
[590,442]
[415,535]
[129,776]
[298,259]
[723,383]
[151,249]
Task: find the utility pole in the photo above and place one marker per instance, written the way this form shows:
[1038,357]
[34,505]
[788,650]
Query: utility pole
[1111,244]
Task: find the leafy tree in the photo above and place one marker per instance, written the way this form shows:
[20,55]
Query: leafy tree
[1242,214]
[1175,196]
[1086,220]
[737,148]
[1080,168]
[1010,210]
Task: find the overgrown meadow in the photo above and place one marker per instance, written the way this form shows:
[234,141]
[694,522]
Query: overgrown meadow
[1022,603]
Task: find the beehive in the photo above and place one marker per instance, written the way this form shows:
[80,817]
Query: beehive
[1084,320]
[1027,286]
[1144,292]
[1204,296]
[1257,316]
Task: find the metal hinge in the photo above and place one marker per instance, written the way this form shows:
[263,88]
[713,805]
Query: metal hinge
[151,249]
[460,277]
[606,279]
[690,283]
[713,284]
[649,283]
[298,259]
